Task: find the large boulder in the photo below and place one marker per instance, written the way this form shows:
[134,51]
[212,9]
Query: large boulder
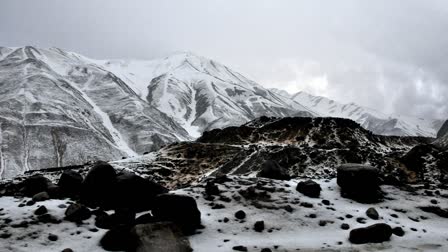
[376,233]
[271,169]
[135,192]
[70,183]
[35,184]
[309,188]
[359,182]
[160,237]
[98,187]
[77,213]
[179,209]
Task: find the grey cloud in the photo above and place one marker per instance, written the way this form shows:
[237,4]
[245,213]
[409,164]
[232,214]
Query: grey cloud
[389,55]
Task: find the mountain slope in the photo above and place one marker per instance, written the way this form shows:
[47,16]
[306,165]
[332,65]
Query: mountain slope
[370,119]
[57,109]
[202,94]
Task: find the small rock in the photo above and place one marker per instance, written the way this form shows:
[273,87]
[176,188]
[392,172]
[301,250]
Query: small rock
[259,226]
[309,188]
[345,226]
[52,237]
[239,248]
[326,202]
[42,196]
[77,213]
[271,169]
[266,250]
[398,231]
[41,210]
[240,215]
[372,213]
[211,189]
[68,250]
[376,233]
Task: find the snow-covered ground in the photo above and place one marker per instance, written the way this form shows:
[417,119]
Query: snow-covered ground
[286,228]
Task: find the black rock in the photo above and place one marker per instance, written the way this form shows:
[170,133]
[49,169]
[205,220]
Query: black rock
[240,215]
[359,182]
[266,250]
[70,183]
[53,237]
[42,196]
[376,233]
[180,209]
[345,226]
[326,202]
[436,210]
[135,192]
[118,239]
[259,226]
[35,184]
[372,213]
[239,248]
[48,218]
[211,189]
[77,213]
[309,188]
[160,237]
[99,186]
[41,210]
[67,250]
[398,231]
[271,169]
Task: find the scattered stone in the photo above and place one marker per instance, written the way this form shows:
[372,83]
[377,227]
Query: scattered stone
[376,233]
[211,189]
[259,226]
[240,215]
[240,248]
[266,250]
[48,218]
[345,226]
[306,204]
[309,188]
[77,213]
[160,237]
[271,169]
[326,202]
[359,182]
[372,213]
[68,250]
[41,210]
[30,202]
[42,196]
[180,209]
[436,210]
[361,220]
[53,237]
[398,231]
[434,201]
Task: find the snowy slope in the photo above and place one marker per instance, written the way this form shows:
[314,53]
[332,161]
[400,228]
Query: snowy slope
[201,94]
[371,119]
[58,109]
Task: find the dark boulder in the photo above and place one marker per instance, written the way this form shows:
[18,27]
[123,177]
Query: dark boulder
[135,192]
[211,189]
[259,226]
[179,209]
[240,215]
[98,187]
[359,182]
[70,183]
[119,239]
[35,184]
[41,210]
[160,237]
[77,213]
[398,231]
[309,188]
[271,169]
[376,233]
[42,196]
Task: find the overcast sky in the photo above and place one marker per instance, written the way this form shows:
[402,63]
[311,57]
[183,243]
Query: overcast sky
[385,54]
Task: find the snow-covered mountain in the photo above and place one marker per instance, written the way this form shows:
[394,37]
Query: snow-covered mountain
[373,120]
[202,94]
[58,109]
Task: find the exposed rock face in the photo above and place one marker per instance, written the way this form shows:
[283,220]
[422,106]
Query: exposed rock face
[359,182]
[60,109]
[443,130]
[160,237]
[372,234]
